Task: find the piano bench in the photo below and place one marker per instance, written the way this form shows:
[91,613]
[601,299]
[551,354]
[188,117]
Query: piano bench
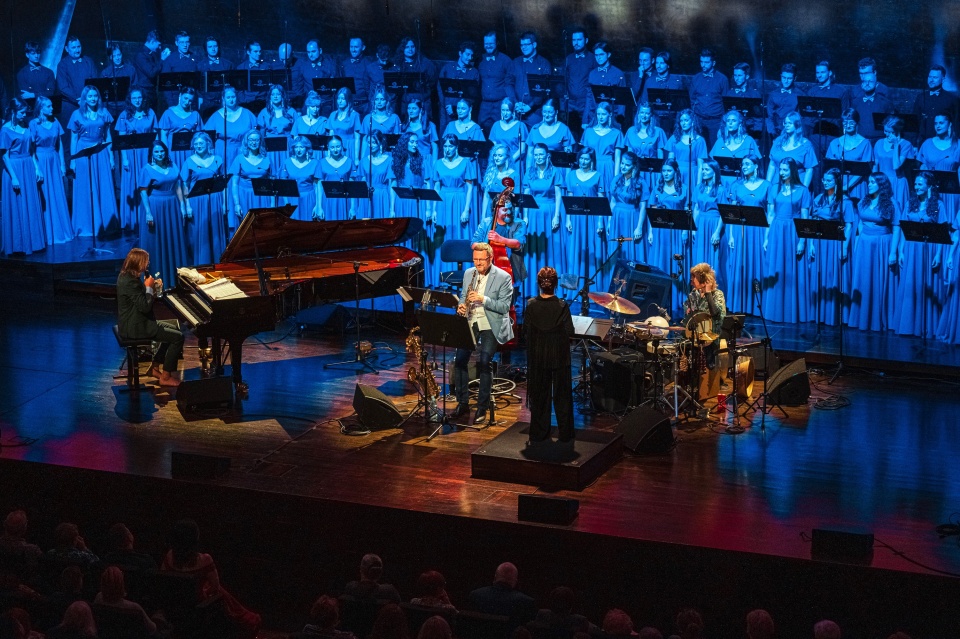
[132,346]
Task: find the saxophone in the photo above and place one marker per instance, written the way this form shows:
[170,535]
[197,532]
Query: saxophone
[422,377]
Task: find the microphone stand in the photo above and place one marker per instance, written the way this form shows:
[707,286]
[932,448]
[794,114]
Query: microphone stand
[359,356]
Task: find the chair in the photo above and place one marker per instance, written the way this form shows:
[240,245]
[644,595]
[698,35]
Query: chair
[132,361]
[459,251]
[479,625]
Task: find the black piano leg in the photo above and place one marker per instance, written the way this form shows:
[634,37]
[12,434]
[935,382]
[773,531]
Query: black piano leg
[236,356]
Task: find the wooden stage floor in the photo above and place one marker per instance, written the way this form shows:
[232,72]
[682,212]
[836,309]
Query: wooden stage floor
[883,463]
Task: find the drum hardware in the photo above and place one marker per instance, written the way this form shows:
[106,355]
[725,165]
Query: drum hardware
[733,325]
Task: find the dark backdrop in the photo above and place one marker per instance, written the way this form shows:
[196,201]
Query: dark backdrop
[903,36]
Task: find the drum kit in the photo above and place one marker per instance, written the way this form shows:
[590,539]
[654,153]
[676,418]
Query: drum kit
[673,353]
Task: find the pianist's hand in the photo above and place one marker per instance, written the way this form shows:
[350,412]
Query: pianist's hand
[148,281]
[158,285]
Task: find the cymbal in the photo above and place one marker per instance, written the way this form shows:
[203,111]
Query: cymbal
[615,303]
[707,337]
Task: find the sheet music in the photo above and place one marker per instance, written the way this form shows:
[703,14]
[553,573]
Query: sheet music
[222,289]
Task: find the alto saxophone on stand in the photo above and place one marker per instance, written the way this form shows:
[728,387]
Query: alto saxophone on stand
[422,375]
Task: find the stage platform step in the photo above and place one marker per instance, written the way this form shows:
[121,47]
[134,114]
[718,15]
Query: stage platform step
[549,464]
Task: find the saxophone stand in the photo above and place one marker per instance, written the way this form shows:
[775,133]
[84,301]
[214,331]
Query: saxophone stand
[447,330]
[360,356]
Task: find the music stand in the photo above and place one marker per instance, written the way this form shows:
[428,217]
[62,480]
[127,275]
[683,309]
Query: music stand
[927,233]
[446,330]
[410,193]
[824,111]
[180,140]
[134,141]
[729,165]
[815,229]
[274,188]
[848,169]
[261,79]
[563,160]
[112,89]
[327,88]
[276,144]
[671,100]
[649,165]
[743,216]
[455,89]
[399,82]
[748,107]
[428,297]
[175,80]
[947,182]
[619,96]
[586,206]
[88,153]
[356,189]
[215,80]
[477,149]
[544,85]
[318,142]
[674,220]
[210,185]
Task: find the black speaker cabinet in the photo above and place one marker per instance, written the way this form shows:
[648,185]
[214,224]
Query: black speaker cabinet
[209,393]
[191,466]
[790,385]
[614,381]
[844,547]
[644,285]
[646,430]
[547,510]
[374,409]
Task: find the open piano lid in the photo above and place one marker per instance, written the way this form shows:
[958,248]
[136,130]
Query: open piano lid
[277,234]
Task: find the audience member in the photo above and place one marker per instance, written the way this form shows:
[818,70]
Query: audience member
[10,628]
[503,598]
[759,625]
[122,553]
[559,614]
[391,623]
[113,593]
[435,627]
[826,629]
[184,556]
[649,632]
[71,548]
[15,551]
[433,591]
[689,624]
[69,589]
[617,623]
[23,618]
[369,586]
[325,616]
[77,623]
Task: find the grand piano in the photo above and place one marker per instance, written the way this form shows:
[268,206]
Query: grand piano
[274,266]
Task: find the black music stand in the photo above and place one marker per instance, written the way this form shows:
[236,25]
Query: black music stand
[587,206]
[210,185]
[618,96]
[650,165]
[824,111]
[563,160]
[543,85]
[318,142]
[743,216]
[275,188]
[674,220]
[751,108]
[420,195]
[731,166]
[113,89]
[429,297]
[342,190]
[88,153]
[261,79]
[671,100]
[214,81]
[327,88]
[276,144]
[455,89]
[399,82]
[947,182]
[848,169]
[477,149]
[359,357]
[181,140]
[927,233]
[447,330]
[134,141]
[176,80]
[826,230]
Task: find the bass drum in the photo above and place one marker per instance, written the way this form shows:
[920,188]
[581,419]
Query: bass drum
[745,377]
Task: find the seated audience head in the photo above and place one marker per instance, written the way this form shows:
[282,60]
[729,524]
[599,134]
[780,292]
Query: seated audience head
[689,621]
[391,623]
[561,600]
[67,535]
[826,629]
[79,619]
[120,537]
[649,632]
[506,574]
[15,524]
[431,584]
[617,623]
[326,612]
[112,587]
[436,627]
[71,580]
[759,625]
[371,567]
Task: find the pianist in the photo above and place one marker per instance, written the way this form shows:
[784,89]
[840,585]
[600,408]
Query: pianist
[135,298]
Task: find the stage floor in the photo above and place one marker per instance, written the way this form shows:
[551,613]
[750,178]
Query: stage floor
[883,463]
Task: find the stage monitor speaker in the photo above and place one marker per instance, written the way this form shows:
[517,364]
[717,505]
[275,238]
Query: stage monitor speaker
[191,466]
[646,430]
[790,385]
[844,547]
[644,285]
[374,409]
[547,510]
[209,393]
[613,380]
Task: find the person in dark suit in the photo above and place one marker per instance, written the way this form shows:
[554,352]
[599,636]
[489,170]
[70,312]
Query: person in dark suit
[503,598]
[34,79]
[135,320]
[549,327]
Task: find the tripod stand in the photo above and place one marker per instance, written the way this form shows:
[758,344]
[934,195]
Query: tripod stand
[360,356]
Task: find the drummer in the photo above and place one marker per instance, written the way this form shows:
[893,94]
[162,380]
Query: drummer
[706,298]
